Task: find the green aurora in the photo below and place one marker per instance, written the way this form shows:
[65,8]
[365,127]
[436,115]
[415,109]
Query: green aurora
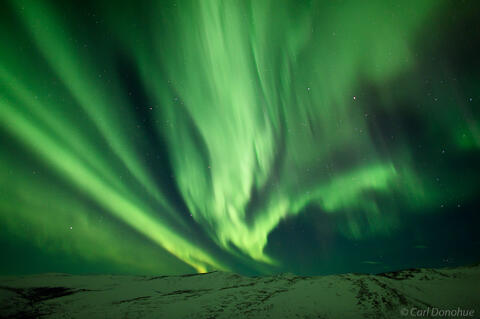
[181,136]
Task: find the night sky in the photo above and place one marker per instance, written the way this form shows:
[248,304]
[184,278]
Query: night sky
[258,137]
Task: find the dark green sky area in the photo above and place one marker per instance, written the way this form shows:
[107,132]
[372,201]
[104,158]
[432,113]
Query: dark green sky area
[258,137]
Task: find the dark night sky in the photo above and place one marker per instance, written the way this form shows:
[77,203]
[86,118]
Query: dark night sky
[249,136]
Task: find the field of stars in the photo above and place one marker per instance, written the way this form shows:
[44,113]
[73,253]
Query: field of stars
[250,136]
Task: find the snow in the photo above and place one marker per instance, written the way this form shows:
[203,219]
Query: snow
[227,295]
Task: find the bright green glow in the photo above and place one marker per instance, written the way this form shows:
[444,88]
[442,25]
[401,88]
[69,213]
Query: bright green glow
[256,101]
[132,213]
[242,78]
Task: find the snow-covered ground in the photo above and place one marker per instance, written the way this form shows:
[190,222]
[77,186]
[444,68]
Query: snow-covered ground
[226,295]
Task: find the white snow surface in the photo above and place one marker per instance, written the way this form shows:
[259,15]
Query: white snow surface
[228,295]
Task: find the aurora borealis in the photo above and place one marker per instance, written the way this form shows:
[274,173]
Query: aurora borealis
[249,136]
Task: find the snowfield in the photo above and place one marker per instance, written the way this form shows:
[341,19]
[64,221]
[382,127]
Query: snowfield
[400,294]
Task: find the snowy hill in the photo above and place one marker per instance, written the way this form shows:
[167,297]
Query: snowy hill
[225,295]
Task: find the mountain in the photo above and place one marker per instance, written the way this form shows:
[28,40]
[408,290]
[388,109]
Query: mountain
[446,292]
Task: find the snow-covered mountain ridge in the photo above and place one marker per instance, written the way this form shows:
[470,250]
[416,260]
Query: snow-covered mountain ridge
[400,294]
